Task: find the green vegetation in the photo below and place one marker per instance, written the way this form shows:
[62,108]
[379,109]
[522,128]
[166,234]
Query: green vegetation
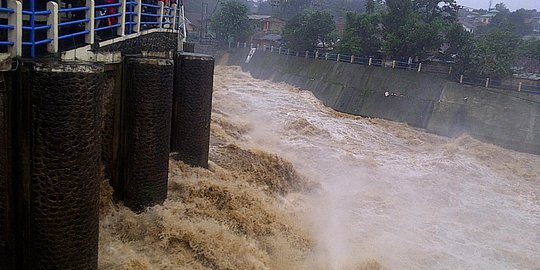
[488,55]
[309,30]
[362,34]
[420,29]
[231,22]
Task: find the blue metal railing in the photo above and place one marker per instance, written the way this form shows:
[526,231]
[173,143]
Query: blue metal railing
[45,24]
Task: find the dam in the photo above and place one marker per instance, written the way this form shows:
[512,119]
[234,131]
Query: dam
[118,151]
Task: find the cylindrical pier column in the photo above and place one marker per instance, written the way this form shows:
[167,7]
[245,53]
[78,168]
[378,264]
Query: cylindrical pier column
[192,108]
[6,233]
[60,164]
[147,116]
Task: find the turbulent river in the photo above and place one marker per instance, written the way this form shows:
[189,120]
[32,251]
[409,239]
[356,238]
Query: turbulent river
[295,185]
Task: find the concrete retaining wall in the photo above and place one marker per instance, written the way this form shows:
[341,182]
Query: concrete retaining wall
[424,100]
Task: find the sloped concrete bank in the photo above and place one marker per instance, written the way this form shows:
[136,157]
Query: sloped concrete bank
[424,100]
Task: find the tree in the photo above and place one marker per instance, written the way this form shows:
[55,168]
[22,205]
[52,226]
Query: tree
[231,22]
[361,35]
[456,38]
[518,21]
[530,49]
[501,7]
[431,10]
[308,30]
[417,27]
[490,55]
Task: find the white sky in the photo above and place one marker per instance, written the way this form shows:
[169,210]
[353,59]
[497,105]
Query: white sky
[511,4]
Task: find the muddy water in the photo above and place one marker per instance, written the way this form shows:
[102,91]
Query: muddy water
[393,194]
[295,185]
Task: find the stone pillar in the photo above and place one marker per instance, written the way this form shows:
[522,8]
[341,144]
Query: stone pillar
[112,90]
[189,47]
[6,233]
[145,146]
[192,108]
[59,164]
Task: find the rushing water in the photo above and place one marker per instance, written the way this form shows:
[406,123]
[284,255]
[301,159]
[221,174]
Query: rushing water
[391,193]
[387,195]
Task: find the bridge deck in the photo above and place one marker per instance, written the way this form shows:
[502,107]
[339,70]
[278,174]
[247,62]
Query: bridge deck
[34,28]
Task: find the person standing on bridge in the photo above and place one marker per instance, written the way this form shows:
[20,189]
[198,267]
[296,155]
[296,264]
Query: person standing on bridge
[109,11]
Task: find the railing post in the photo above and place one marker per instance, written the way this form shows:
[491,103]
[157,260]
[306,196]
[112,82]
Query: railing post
[272,48]
[279,50]
[450,71]
[264,48]
[238,44]
[394,64]
[251,45]
[138,16]
[519,86]
[460,78]
[370,61]
[352,59]
[174,14]
[15,34]
[307,54]
[337,58]
[419,67]
[316,54]
[52,33]
[245,44]
[161,13]
[288,52]
[297,54]
[326,56]
[90,14]
[122,19]
[487,82]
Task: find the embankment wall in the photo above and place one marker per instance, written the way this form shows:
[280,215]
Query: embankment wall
[424,100]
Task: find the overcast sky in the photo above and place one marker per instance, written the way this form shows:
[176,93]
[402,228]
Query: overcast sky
[511,4]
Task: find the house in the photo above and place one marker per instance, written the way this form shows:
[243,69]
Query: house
[268,30]
[488,17]
[267,24]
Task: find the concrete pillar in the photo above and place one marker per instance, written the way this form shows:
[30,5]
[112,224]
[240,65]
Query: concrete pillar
[192,107]
[15,34]
[58,141]
[90,26]
[111,113]
[52,33]
[189,47]
[146,136]
[6,218]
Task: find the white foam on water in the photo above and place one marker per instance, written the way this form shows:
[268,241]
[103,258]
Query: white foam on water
[392,193]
